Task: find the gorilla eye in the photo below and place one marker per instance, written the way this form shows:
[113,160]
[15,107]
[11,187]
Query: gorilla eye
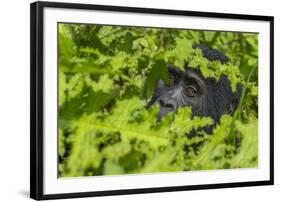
[191,87]
[172,79]
[191,91]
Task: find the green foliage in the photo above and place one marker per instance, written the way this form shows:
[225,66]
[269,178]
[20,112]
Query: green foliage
[158,70]
[108,73]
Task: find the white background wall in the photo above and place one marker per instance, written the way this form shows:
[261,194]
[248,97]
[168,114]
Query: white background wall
[14,100]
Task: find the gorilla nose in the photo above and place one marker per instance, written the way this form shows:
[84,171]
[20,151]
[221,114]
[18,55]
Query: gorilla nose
[170,105]
[166,106]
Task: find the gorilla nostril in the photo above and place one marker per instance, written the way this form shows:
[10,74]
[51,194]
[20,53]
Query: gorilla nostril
[167,104]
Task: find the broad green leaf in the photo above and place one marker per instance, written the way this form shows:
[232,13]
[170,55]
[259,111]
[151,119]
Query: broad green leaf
[157,71]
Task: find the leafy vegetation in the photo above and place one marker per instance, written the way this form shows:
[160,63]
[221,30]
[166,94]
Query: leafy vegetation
[107,74]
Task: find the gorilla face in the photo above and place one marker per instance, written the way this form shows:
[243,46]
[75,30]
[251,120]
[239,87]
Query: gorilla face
[206,96]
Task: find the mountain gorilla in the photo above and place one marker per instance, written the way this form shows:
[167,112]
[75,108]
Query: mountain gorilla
[207,97]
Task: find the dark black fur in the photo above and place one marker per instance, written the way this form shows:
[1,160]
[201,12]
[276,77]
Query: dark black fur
[212,54]
[212,98]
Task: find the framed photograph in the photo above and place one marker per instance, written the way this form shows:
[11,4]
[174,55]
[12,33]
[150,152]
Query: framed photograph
[136,100]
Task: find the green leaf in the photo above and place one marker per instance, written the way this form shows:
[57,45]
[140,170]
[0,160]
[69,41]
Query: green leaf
[184,124]
[112,168]
[248,153]
[157,71]
[220,133]
[181,51]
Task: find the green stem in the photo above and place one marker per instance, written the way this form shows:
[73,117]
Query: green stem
[237,114]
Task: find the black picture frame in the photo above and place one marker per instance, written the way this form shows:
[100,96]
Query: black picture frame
[36,98]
